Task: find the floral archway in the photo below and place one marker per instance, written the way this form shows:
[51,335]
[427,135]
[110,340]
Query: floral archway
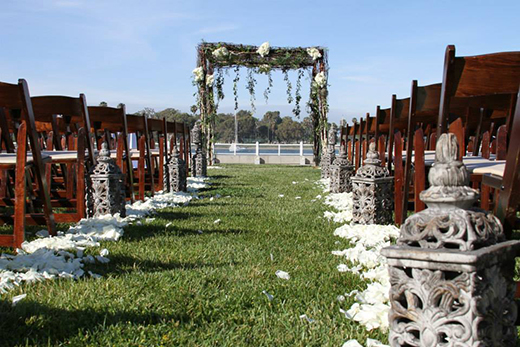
[215,58]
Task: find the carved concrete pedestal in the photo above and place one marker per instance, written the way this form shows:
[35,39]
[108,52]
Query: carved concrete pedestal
[176,171]
[198,161]
[327,158]
[106,188]
[451,271]
[341,173]
[372,191]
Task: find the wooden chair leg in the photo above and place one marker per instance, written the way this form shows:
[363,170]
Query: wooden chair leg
[398,178]
[141,168]
[420,169]
[20,187]
[80,169]
[160,182]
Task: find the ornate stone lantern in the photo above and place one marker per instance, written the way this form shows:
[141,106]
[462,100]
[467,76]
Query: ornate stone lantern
[341,173]
[198,162]
[330,154]
[372,191]
[176,172]
[451,272]
[106,188]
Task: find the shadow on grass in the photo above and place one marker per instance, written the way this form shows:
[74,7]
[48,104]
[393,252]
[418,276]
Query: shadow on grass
[123,264]
[37,324]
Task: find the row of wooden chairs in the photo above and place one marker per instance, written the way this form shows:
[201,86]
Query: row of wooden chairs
[49,144]
[477,101]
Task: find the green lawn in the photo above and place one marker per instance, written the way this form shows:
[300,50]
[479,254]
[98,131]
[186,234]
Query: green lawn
[177,286]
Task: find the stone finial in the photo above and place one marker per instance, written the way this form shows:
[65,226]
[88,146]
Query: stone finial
[332,135]
[196,133]
[372,167]
[449,221]
[448,178]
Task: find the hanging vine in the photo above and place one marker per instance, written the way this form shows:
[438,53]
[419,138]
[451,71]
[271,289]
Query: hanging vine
[251,83]
[235,85]
[297,93]
[289,86]
[219,84]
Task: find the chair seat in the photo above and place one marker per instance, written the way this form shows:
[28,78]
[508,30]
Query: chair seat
[62,155]
[134,153]
[10,158]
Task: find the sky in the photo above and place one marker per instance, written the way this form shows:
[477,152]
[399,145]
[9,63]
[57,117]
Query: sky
[142,53]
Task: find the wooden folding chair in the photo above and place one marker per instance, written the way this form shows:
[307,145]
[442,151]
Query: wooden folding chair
[488,74]
[145,173]
[21,169]
[70,146]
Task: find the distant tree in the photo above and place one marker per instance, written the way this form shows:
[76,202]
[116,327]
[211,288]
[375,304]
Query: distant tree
[147,111]
[120,105]
[103,104]
[354,120]
[174,115]
[246,126]
[308,130]
[271,119]
[289,130]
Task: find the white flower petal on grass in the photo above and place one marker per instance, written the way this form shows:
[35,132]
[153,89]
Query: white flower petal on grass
[18,298]
[304,316]
[298,197]
[272,257]
[168,224]
[375,343]
[269,296]
[104,252]
[281,195]
[352,343]
[282,274]
[217,221]
[294,182]
[62,256]
[199,231]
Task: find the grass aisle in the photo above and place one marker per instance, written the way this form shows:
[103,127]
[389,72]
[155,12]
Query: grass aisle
[200,283]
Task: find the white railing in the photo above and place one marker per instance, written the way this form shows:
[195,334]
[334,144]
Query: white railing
[278,149]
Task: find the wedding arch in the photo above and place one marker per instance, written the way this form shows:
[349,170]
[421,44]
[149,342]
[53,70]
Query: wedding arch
[216,58]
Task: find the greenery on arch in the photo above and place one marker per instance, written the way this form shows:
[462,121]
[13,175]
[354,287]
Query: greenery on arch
[214,59]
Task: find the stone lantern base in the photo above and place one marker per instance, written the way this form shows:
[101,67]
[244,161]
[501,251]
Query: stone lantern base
[373,200]
[199,164]
[341,173]
[452,298]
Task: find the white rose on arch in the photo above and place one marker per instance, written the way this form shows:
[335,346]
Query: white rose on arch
[314,53]
[321,79]
[198,74]
[265,68]
[263,50]
[209,80]
[220,53]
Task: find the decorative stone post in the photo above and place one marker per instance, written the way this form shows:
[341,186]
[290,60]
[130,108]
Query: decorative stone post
[106,189]
[198,162]
[372,191]
[176,171]
[330,154]
[451,272]
[341,173]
